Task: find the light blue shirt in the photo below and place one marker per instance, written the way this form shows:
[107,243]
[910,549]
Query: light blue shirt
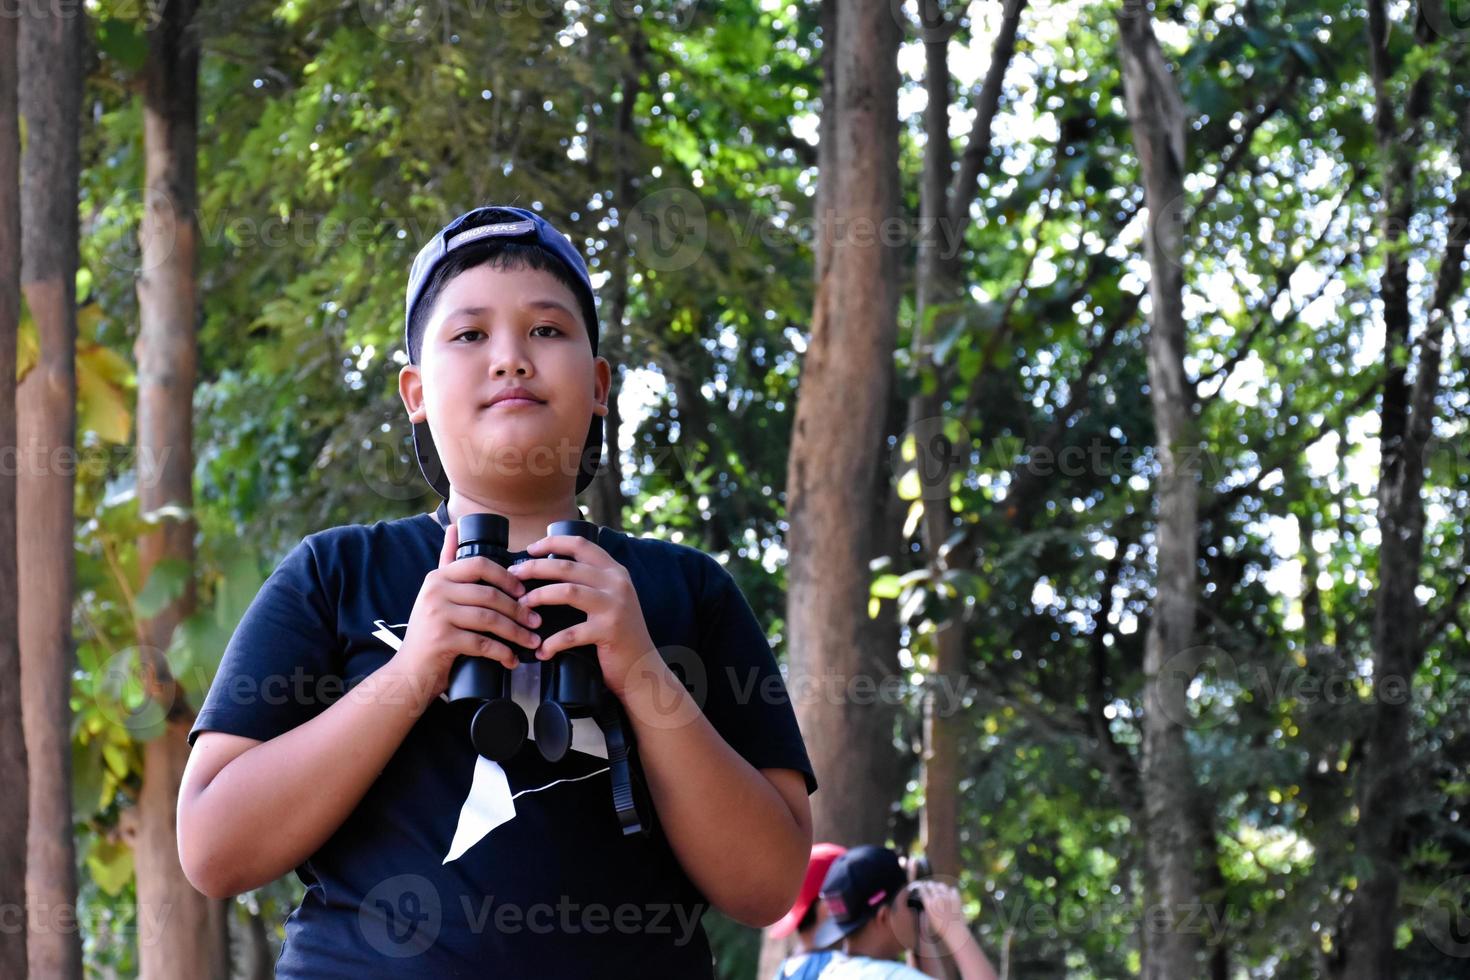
[804,966]
[844,967]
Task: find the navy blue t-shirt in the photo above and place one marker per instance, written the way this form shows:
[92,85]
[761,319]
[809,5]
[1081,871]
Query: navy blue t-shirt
[455,866]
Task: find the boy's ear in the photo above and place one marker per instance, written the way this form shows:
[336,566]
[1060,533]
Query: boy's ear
[602,384]
[411,390]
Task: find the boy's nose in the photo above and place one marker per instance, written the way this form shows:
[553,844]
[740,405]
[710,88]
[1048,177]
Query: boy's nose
[509,358]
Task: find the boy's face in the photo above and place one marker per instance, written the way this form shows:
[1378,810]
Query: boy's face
[492,329]
[889,933]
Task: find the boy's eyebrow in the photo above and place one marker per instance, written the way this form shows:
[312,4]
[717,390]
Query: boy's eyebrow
[535,304]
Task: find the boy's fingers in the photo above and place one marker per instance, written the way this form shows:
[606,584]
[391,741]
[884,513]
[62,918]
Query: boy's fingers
[479,620]
[475,645]
[475,595]
[582,550]
[482,569]
[557,570]
[451,545]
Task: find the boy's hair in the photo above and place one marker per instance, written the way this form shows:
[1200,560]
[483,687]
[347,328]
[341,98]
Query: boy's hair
[808,918]
[496,254]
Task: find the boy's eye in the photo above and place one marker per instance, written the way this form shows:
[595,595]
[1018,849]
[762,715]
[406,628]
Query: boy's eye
[472,335]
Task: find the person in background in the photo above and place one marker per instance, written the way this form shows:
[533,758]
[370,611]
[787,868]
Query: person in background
[866,894]
[807,960]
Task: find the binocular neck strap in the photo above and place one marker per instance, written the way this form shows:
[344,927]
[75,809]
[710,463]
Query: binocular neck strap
[626,798]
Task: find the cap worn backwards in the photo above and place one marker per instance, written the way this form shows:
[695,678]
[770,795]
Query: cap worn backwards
[859,883]
[513,225]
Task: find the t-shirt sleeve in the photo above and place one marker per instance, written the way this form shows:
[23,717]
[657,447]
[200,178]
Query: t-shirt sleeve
[270,678]
[745,697]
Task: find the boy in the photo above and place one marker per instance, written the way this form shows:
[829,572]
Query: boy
[867,898]
[325,743]
[805,917]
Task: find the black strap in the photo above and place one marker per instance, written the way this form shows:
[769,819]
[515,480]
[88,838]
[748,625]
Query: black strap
[630,798]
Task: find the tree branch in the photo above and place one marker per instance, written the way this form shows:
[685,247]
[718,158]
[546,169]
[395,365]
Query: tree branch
[987,103]
[1282,282]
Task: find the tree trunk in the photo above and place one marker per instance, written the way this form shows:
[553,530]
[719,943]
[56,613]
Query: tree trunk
[607,487]
[939,827]
[50,86]
[605,506]
[1407,421]
[944,207]
[257,957]
[195,941]
[835,446]
[774,950]
[12,733]
[1157,116]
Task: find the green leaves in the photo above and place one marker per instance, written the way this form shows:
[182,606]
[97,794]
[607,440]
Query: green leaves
[165,584]
[110,863]
[123,41]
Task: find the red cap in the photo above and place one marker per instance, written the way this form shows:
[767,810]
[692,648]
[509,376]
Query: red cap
[816,870]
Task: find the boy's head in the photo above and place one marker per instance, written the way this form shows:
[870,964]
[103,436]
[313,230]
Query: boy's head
[807,913]
[499,299]
[862,896]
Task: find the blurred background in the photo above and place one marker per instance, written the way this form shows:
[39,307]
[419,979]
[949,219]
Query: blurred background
[1077,390]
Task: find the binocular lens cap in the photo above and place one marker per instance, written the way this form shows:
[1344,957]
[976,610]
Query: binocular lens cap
[553,731]
[498,729]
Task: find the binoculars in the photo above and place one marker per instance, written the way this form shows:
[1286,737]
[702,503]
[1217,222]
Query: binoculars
[571,682]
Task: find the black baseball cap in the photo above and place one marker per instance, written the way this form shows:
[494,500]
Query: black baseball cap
[858,884]
[503,223]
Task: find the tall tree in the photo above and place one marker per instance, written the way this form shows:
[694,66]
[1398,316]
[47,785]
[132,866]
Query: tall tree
[195,944]
[607,500]
[12,733]
[834,446]
[1156,113]
[1406,413]
[946,195]
[50,88]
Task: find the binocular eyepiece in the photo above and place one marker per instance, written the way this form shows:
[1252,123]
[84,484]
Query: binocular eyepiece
[571,682]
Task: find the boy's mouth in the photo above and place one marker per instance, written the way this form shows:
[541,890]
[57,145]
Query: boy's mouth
[513,397]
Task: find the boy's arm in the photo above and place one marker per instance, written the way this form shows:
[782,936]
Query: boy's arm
[945,914]
[250,811]
[743,835]
[972,962]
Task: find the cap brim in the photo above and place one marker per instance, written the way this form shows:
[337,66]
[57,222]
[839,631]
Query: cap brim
[832,932]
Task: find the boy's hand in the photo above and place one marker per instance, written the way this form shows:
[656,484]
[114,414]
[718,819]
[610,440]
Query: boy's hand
[594,582]
[453,605]
[944,916]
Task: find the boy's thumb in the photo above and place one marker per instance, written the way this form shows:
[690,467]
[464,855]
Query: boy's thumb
[451,545]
